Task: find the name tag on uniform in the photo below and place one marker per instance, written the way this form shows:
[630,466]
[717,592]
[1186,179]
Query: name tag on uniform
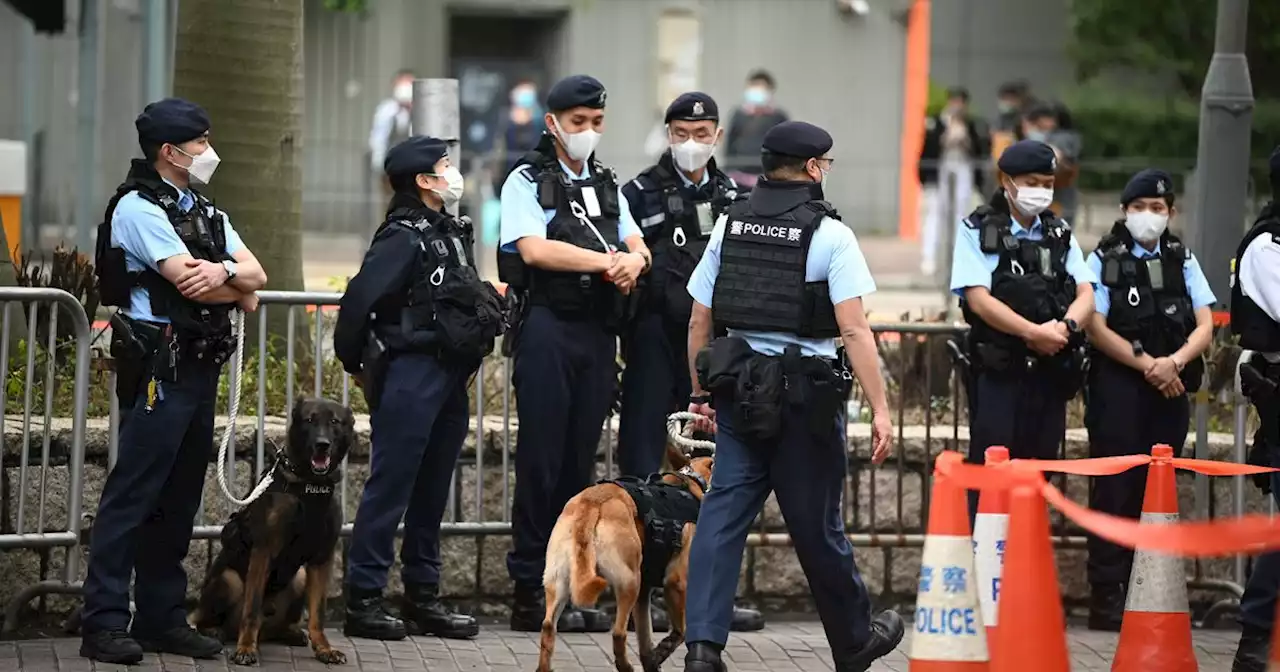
[590,201]
[770,234]
[706,222]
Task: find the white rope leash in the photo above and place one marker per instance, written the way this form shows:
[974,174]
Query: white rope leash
[677,434]
[237,361]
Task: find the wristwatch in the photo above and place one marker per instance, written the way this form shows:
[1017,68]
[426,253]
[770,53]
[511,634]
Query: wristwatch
[1072,325]
[699,399]
[231,269]
[648,262]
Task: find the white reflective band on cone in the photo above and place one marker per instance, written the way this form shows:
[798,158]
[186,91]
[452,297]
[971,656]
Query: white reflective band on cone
[1159,582]
[990,530]
[948,622]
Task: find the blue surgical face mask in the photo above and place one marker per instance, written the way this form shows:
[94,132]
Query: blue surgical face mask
[756,95]
[1037,135]
[524,98]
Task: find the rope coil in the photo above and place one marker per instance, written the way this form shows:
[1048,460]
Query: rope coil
[237,361]
[680,435]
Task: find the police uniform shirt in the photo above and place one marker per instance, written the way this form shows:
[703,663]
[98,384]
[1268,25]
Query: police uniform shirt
[523,217]
[834,256]
[651,214]
[1259,274]
[1197,285]
[973,268]
[143,230]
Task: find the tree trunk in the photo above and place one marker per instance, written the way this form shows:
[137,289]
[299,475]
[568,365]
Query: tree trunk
[242,61]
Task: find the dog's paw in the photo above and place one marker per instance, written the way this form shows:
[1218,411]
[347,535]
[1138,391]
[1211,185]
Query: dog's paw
[244,656]
[331,656]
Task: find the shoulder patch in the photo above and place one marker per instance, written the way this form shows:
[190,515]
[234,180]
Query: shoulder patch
[526,171]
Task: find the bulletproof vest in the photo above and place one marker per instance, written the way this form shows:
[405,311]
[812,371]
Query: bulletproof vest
[678,233]
[586,215]
[1031,276]
[1256,329]
[203,234]
[1149,299]
[665,509]
[761,285]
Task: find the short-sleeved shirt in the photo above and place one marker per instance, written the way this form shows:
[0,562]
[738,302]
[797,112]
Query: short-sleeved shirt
[971,267]
[834,257]
[1197,286]
[648,212]
[143,230]
[522,216]
[1259,274]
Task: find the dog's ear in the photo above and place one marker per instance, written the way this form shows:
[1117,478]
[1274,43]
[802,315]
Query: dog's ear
[676,456]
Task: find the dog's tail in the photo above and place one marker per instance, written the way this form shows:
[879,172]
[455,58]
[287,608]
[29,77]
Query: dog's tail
[585,585]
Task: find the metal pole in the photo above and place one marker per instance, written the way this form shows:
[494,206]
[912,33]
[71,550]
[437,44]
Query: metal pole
[436,113]
[1222,160]
[87,116]
[155,53]
[32,98]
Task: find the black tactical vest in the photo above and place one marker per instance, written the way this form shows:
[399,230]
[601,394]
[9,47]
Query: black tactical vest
[678,234]
[446,309]
[1149,300]
[1031,275]
[203,233]
[761,285]
[1256,329]
[569,295]
[665,510]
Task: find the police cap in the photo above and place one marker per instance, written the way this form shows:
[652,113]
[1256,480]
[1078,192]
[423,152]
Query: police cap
[798,139]
[1028,157]
[172,120]
[416,155]
[693,106]
[1149,183]
[576,91]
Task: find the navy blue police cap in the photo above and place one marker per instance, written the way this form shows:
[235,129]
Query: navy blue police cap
[1027,157]
[416,155]
[1149,183]
[576,91]
[798,139]
[172,120]
[692,106]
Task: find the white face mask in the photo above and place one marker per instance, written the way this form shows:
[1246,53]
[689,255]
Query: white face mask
[692,155]
[202,165]
[1032,201]
[452,193]
[1146,226]
[579,146]
[403,93]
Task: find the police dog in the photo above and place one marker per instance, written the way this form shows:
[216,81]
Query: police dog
[277,552]
[598,542]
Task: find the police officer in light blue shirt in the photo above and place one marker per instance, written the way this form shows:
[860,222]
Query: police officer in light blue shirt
[176,269]
[1026,292]
[570,252]
[1152,327]
[786,278]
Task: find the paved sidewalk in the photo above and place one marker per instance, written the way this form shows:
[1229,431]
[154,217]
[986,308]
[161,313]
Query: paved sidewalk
[782,647]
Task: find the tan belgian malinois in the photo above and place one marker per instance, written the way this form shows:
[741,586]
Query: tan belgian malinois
[598,542]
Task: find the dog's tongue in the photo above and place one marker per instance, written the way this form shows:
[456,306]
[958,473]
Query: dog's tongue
[320,462]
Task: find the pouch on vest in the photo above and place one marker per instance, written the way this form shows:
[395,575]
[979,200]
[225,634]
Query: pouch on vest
[469,314]
[815,387]
[757,399]
[719,364]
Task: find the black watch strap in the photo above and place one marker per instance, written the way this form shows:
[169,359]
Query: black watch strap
[699,398]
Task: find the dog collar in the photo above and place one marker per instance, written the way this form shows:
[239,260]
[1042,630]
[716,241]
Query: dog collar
[689,473]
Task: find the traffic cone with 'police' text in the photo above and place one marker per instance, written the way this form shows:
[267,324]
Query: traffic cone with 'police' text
[990,529]
[1029,594]
[1156,631]
[949,636]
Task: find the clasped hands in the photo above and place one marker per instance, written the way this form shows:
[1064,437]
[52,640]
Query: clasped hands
[625,269]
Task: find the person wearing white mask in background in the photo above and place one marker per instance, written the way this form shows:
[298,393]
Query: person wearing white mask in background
[413,327]
[1026,293]
[745,133]
[391,124]
[676,202]
[1152,327]
[570,253]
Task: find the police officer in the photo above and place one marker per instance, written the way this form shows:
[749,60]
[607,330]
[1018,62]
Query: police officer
[1255,318]
[418,299]
[676,202]
[786,278]
[571,250]
[176,269]
[1026,293]
[1152,327]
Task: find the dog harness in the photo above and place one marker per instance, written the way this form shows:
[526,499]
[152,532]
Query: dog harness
[665,509]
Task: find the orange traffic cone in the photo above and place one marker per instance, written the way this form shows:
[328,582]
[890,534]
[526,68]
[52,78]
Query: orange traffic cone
[949,636]
[990,529]
[1029,594]
[1156,631]
[1273,664]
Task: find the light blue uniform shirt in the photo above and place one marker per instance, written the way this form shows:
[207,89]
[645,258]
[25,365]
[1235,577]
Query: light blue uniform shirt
[522,216]
[834,256]
[143,230]
[1197,286]
[970,267]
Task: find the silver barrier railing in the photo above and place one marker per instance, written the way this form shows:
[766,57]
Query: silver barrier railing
[23,533]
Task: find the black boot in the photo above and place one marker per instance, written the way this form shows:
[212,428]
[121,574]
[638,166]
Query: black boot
[1106,606]
[530,607]
[367,617]
[886,633]
[658,619]
[111,646]
[746,620]
[703,657]
[425,614]
[1251,655]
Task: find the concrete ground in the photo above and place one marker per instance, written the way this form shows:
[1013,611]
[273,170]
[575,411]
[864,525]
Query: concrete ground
[781,647]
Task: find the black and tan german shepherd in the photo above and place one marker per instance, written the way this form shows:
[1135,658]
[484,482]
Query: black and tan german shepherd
[277,552]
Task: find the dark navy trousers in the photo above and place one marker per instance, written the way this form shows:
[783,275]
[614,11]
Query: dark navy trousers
[418,432]
[806,473]
[564,376]
[655,383]
[1024,412]
[149,505]
[1258,604]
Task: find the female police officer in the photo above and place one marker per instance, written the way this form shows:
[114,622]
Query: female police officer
[419,294]
[1153,324]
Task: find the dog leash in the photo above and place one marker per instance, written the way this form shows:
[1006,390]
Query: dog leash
[230,431]
[677,434]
